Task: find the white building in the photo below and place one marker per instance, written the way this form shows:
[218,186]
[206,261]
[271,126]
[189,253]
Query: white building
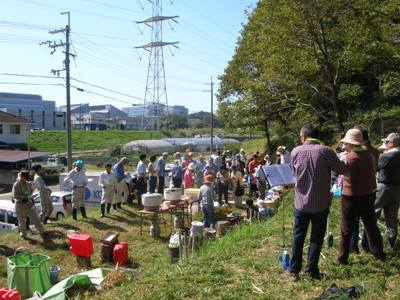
[13,129]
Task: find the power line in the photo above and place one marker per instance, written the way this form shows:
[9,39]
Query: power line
[115,6]
[195,30]
[108,90]
[75,79]
[207,18]
[101,95]
[31,83]
[29,75]
[50,6]
[23,25]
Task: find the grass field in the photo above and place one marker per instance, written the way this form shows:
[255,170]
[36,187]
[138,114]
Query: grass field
[242,264]
[56,141]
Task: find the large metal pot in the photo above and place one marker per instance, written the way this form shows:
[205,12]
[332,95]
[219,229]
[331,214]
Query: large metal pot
[172,194]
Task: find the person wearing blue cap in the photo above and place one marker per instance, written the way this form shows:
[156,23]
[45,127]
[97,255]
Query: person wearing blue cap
[77,180]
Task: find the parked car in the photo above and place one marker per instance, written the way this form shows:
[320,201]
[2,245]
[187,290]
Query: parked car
[62,203]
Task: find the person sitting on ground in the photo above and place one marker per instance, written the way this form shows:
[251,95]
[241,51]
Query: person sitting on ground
[24,205]
[108,182]
[176,172]
[77,179]
[206,198]
[44,193]
[358,197]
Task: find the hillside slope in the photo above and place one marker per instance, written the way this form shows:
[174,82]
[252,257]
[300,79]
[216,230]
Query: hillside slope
[243,264]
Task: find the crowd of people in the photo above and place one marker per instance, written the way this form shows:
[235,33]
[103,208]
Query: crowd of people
[221,172]
[369,181]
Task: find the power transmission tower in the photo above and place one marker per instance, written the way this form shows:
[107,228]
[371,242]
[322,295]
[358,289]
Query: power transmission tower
[156,88]
[66,45]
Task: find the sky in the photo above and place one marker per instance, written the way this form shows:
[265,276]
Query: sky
[104,35]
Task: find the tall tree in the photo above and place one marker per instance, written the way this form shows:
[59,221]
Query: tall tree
[312,59]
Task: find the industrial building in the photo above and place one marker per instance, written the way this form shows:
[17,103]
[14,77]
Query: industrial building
[94,117]
[40,113]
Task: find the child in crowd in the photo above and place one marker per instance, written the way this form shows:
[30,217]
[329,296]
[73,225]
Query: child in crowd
[206,198]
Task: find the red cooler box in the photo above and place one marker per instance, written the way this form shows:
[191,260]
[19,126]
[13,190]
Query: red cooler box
[9,294]
[81,245]
[120,256]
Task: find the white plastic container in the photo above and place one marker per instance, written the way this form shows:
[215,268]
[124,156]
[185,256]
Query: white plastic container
[172,194]
[151,201]
[197,229]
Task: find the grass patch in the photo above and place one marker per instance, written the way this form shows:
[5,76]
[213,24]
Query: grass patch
[255,145]
[56,140]
[242,264]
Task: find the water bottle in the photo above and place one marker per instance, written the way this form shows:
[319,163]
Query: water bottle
[330,239]
[285,260]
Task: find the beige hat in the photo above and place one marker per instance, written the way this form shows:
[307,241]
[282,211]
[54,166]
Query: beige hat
[354,137]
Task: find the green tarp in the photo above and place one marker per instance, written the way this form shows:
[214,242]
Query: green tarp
[84,281]
[28,273]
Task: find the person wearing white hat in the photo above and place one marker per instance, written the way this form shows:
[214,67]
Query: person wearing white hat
[388,192]
[358,196]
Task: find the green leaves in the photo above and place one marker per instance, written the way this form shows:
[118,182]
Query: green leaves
[312,60]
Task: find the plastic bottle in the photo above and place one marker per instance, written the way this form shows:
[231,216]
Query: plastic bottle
[285,260]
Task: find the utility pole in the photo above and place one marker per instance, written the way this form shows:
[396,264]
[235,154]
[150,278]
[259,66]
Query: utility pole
[156,88]
[54,46]
[211,84]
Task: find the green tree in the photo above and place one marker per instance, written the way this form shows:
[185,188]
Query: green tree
[312,60]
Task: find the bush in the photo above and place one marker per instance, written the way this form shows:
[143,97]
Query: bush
[51,179]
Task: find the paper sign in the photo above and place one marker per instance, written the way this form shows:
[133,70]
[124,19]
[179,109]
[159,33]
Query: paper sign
[279,175]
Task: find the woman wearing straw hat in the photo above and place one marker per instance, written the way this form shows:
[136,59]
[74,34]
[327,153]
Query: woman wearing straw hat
[358,197]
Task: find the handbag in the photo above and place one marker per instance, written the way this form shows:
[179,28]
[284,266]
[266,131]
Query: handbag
[239,189]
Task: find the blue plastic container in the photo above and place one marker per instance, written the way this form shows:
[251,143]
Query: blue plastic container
[54,271]
[285,260]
